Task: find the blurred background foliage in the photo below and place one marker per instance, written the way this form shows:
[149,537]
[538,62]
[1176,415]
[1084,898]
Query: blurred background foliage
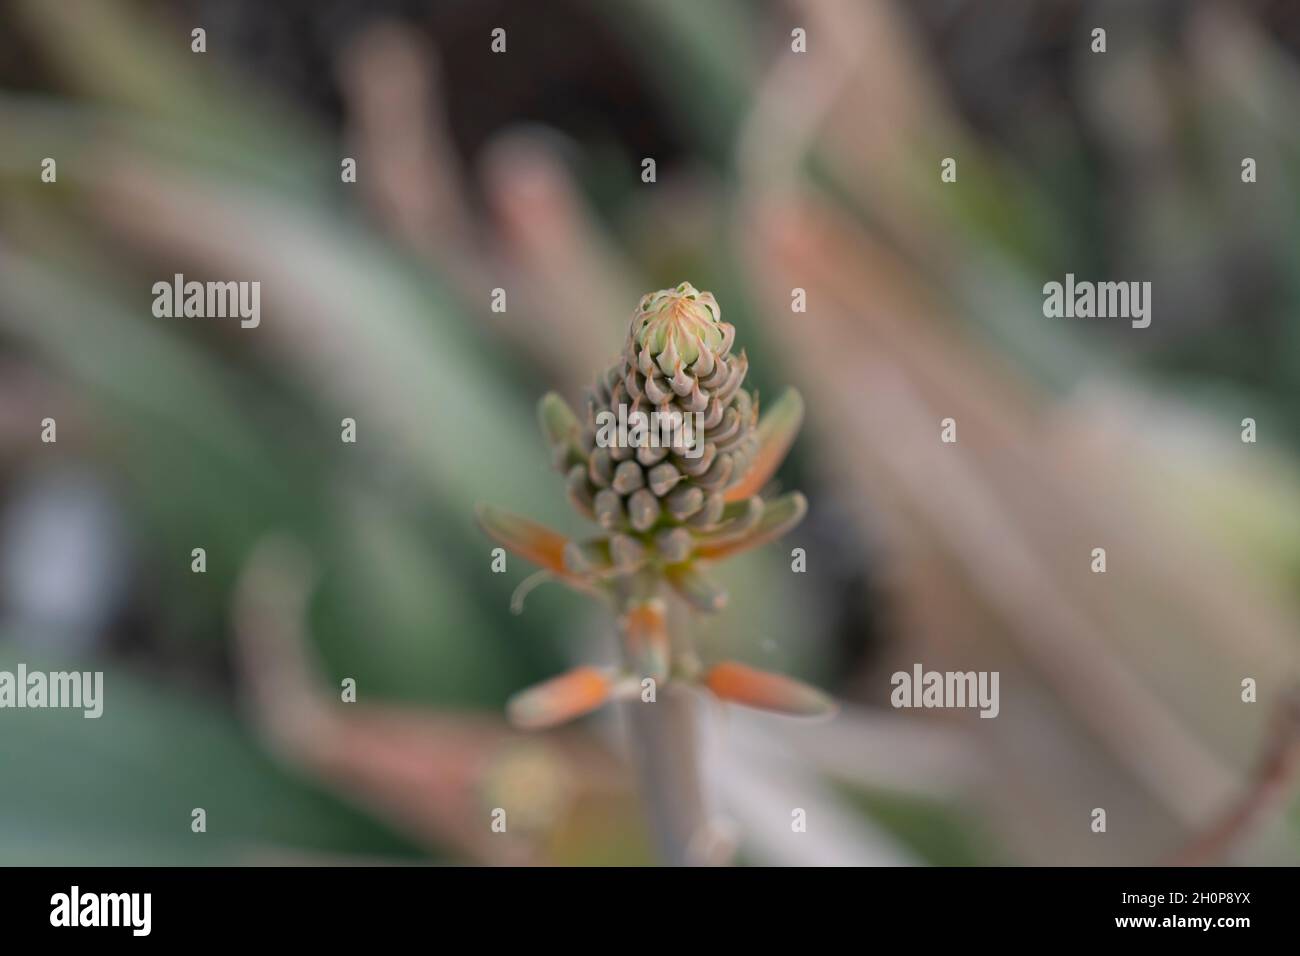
[521,171]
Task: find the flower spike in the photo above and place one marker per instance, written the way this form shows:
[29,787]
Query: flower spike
[680,486]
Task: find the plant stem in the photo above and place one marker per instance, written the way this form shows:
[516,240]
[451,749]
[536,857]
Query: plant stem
[662,738]
[663,744]
[1265,793]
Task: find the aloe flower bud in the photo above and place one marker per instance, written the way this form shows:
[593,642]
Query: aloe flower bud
[678,371]
[679,492]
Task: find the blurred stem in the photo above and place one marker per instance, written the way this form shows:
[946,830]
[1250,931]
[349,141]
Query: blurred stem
[663,748]
[1267,791]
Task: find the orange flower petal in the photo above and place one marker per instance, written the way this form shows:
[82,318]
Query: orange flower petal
[776,433]
[559,699]
[746,685]
[778,517]
[528,539]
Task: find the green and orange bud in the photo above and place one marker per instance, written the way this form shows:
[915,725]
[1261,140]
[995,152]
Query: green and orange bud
[680,328]
[666,501]
[677,366]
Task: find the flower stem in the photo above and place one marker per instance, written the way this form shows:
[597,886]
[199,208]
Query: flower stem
[662,738]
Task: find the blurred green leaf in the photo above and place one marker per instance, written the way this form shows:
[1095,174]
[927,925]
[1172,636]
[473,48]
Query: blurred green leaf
[120,788]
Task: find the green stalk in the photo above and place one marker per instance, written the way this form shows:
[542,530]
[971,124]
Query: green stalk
[662,739]
[662,744]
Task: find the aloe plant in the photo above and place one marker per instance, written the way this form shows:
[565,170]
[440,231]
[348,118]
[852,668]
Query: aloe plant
[669,504]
